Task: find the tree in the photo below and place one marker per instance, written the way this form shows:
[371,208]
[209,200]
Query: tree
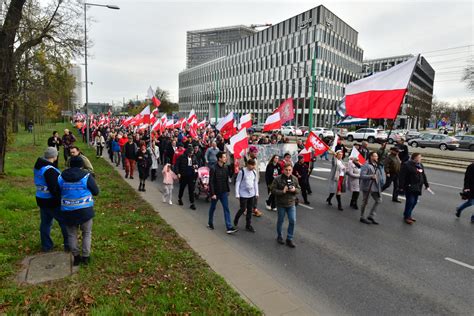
[468,76]
[55,25]
[166,105]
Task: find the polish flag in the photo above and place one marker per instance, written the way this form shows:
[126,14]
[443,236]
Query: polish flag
[306,154]
[380,95]
[226,126]
[192,132]
[239,142]
[245,121]
[169,124]
[145,114]
[287,110]
[155,112]
[143,127]
[202,124]
[180,123]
[157,126]
[151,95]
[192,117]
[127,121]
[272,122]
[334,143]
[316,144]
[164,120]
[152,118]
[356,154]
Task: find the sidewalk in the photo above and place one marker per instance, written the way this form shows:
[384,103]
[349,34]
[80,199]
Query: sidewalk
[245,276]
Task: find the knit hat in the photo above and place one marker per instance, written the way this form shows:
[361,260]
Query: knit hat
[76,162]
[50,152]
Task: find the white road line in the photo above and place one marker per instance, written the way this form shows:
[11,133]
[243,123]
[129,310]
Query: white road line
[320,178]
[460,263]
[306,206]
[445,185]
[388,194]
[322,169]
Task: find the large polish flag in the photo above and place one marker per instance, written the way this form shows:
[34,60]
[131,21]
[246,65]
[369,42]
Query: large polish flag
[272,122]
[151,95]
[145,114]
[245,121]
[156,126]
[226,124]
[239,142]
[356,154]
[380,95]
[287,110]
[192,117]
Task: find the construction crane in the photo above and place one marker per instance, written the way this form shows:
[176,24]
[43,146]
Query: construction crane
[254,26]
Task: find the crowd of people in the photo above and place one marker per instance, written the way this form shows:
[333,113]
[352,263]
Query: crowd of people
[185,158]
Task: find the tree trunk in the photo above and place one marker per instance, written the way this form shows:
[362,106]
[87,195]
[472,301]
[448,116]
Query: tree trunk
[15,117]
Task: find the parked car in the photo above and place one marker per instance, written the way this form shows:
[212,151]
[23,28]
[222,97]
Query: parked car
[258,128]
[291,131]
[412,133]
[395,136]
[440,141]
[305,130]
[342,132]
[322,132]
[466,141]
[372,135]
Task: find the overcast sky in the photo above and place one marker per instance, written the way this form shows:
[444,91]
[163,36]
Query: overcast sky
[144,43]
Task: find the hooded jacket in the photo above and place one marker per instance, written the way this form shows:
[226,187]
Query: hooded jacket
[51,177]
[80,216]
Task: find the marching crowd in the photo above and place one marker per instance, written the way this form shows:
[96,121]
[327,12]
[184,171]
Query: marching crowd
[202,164]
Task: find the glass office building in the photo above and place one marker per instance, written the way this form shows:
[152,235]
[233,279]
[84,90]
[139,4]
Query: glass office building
[256,73]
[416,107]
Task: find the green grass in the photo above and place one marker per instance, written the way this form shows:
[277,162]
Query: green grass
[140,265]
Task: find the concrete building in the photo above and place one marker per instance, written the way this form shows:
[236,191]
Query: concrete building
[416,108]
[258,72]
[77,99]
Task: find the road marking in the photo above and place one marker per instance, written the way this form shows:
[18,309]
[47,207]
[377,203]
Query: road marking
[306,206]
[322,169]
[388,194]
[320,178]
[460,263]
[445,185]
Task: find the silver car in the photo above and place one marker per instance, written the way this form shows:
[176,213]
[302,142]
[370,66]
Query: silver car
[440,141]
[466,141]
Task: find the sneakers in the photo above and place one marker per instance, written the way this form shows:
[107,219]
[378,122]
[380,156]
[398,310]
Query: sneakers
[210,226]
[409,221]
[458,213]
[231,230]
[290,243]
[170,202]
[257,213]
[193,207]
[250,229]
[274,209]
[306,202]
[180,202]
[268,207]
[372,221]
[363,220]
[280,241]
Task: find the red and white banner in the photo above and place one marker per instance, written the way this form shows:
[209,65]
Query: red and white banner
[156,126]
[306,154]
[127,121]
[239,142]
[226,126]
[316,143]
[145,114]
[287,110]
[192,118]
[380,95]
[272,122]
[245,121]
[169,124]
[356,154]
[202,124]
[151,95]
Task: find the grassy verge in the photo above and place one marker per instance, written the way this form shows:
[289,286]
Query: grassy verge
[140,264]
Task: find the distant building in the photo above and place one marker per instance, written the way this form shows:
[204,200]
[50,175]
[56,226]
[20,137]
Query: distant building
[202,45]
[256,73]
[416,107]
[77,100]
[97,108]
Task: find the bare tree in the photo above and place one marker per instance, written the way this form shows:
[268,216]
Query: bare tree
[468,76]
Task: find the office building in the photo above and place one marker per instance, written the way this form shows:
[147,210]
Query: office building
[258,72]
[77,100]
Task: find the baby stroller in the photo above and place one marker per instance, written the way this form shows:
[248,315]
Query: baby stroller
[202,186]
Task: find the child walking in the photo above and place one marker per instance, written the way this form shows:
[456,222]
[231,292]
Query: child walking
[168,179]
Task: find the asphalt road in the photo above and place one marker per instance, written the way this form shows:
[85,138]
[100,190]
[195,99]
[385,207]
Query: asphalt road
[341,266]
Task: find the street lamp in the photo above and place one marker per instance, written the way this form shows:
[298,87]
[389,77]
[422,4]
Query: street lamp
[108,6]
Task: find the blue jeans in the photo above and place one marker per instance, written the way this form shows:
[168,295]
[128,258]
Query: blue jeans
[460,208]
[224,198]
[47,216]
[282,211]
[410,203]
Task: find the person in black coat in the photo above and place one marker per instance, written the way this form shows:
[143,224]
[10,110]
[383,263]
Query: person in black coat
[144,162]
[55,141]
[272,171]
[186,169]
[411,181]
[468,191]
[301,171]
[402,150]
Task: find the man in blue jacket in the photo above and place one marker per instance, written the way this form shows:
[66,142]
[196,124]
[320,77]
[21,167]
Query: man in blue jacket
[77,187]
[47,197]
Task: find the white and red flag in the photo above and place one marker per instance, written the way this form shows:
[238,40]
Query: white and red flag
[287,110]
[127,121]
[334,143]
[202,124]
[316,143]
[356,154]
[226,125]
[169,124]
[151,95]
[145,114]
[245,121]
[272,122]
[239,142]
[306,154]
[380,95]
[192,118]
[180,123]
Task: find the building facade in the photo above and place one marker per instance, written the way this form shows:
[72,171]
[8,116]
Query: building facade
[77,100]
[416,108]
[256,73]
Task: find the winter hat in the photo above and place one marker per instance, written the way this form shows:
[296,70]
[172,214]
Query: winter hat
[76,162]
[253,149]
[50,152]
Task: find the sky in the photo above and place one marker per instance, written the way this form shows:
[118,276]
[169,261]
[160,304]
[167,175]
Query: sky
[144,43]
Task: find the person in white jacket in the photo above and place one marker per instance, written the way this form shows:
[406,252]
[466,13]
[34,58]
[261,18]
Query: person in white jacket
[246,190]
[99,144]
[155,157]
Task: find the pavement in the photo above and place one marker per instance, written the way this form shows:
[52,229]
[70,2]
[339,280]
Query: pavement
[341,266]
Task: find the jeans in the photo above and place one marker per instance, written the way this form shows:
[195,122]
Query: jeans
[365,201]
[246,204]
[291,211]
[66,154]
[224,198]
[47,216]
[410,203]
[86,229]
[392,179]
[460,208]
[116,158]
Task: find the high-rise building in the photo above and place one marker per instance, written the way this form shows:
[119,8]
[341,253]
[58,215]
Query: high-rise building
[258,72]
[77,100]
[202,45]
[416,107]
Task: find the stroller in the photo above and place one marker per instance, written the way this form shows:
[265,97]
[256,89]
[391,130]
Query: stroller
[202,187]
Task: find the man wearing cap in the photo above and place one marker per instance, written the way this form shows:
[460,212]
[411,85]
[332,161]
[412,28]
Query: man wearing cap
[77,187]
[392,166]
[47,197]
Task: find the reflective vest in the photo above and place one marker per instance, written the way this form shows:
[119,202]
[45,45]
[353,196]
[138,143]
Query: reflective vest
[75,195]
[42,190]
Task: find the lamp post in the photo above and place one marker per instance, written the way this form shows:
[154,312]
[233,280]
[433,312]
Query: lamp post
[113,7]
